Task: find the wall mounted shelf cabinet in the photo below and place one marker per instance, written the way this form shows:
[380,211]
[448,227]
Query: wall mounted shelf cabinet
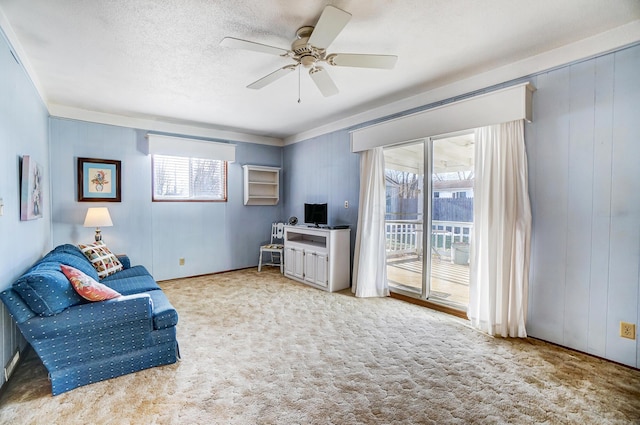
[261,185]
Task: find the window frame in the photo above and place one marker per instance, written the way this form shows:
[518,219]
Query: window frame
[225,174]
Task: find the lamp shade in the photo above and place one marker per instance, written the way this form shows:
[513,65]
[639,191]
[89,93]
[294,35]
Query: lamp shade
[98,217]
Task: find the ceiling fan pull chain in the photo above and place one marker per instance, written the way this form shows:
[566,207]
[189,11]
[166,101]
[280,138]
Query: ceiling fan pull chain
[299,85]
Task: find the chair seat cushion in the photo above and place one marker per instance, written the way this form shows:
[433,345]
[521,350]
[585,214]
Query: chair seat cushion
[273,246]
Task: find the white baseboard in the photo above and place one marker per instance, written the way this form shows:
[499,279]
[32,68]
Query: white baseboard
[11,366]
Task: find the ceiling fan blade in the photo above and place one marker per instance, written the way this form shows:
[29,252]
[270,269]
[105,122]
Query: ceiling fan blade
[236,43]
[331,22]
[264,81]
[362,61]
[323,81]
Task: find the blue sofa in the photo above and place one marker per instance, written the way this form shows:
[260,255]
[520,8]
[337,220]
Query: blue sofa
[81,342]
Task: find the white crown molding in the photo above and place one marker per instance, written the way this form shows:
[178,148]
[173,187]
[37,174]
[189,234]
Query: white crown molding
[596,45]
[120,120]
[15,45]
[68,112]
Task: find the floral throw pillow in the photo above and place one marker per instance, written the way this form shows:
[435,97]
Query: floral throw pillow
[86,286]
[103,260]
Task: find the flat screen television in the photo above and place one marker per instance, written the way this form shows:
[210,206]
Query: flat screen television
[315,214]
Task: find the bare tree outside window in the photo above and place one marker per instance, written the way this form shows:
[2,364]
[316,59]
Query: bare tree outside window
[189,179]
[406,184]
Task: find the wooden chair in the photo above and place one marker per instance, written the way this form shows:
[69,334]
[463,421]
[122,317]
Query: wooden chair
[275,248]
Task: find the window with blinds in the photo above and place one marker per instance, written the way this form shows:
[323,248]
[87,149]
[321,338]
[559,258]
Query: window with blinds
[189,179]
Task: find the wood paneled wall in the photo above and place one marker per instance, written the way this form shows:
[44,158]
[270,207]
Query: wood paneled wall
[584,172]
[583,150]
[23,131]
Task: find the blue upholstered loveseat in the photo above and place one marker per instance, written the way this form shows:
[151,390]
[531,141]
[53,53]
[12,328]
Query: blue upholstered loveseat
[81,342]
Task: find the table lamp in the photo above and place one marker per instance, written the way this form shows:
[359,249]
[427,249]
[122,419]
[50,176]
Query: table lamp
[98,217]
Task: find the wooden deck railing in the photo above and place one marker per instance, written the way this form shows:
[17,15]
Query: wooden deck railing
[405,236]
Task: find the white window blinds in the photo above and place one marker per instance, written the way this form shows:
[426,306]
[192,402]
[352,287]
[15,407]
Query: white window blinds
[188,169]
[188,179]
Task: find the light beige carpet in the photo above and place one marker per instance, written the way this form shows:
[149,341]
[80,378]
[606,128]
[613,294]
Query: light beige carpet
[261,349]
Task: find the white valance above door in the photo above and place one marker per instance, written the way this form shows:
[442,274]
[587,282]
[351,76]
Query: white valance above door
[496,107]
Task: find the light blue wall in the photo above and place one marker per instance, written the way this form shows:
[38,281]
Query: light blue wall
[320,170]
[210,236]
[72,139]
[584,159]
[214,237]
[584,164]
[23,131]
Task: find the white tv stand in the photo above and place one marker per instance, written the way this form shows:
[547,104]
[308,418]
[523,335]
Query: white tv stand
[318,257]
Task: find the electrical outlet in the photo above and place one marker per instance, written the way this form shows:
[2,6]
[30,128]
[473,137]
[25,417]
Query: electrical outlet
[181,261]
[346,204]
[628,330]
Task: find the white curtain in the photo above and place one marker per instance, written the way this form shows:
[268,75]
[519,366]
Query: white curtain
[502,230]
[369,268]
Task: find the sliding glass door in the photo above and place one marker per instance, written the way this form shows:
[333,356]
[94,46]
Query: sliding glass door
[404,219]
[429,220]
[451,218]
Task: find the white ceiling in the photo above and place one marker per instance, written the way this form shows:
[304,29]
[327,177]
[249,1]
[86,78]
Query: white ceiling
[161,60]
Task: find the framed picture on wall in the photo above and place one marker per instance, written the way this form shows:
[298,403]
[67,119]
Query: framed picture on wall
[30,189]
[98,180]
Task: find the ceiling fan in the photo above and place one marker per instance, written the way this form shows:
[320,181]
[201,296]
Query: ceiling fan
[309,49]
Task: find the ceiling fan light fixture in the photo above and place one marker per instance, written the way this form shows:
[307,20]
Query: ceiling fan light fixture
[310,48]
[308,61]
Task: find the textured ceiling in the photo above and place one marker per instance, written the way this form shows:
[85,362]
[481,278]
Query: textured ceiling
[161,60]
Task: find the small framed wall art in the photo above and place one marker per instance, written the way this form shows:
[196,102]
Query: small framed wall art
[98,180]
[31,189]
